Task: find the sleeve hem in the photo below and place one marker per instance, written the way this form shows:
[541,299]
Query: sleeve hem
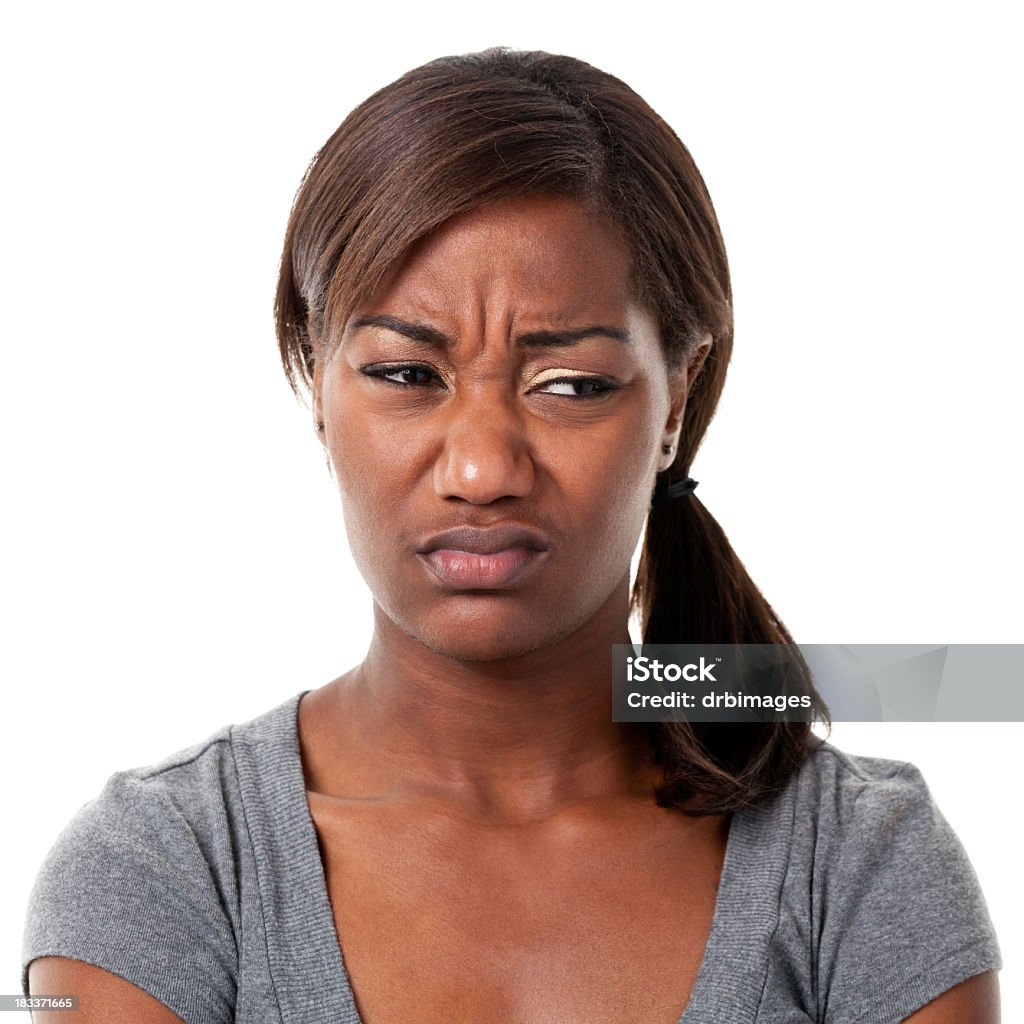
[190,1006]
[899,1000]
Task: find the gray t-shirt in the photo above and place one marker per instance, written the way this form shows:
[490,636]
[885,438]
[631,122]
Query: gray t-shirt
[847,898]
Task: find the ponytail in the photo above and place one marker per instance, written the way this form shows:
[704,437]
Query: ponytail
[692,588]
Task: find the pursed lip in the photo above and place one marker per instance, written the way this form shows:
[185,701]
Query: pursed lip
[485,540]
[483,558]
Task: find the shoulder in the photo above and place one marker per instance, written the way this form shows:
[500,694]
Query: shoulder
[854,802]
[144,881]
[842,780]
[181,793]
[873,821]
[175,808]
[165,814]
[893,914]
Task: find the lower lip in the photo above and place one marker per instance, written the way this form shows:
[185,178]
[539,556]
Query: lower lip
[467,570]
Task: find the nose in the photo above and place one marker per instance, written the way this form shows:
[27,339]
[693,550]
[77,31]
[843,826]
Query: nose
[485,454]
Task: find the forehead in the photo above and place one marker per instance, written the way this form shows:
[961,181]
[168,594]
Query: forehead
[546,256]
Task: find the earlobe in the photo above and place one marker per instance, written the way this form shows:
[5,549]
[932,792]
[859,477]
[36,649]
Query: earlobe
[674,423]
[318,406]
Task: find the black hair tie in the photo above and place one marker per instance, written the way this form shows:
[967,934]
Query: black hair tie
[678,489]
[681,488]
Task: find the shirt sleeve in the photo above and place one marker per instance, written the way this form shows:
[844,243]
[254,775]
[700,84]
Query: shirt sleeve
[126,887]
[903,916]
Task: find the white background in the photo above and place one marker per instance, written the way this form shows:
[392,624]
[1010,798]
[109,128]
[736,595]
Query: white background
[173,555]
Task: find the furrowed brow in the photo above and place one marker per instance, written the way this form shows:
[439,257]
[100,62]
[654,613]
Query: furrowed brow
[560,339]
[533,339]
[414,332]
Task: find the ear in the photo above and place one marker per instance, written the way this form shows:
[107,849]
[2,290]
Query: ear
[318,404]
[680,384]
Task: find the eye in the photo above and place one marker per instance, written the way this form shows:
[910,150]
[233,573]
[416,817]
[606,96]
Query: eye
[577,387]
[404,375]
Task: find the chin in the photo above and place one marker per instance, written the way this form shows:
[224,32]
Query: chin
[478,634]
[465,650]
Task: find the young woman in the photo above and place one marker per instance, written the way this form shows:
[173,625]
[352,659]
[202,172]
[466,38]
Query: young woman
[504,284]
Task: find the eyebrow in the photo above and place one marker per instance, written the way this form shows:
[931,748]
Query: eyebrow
[533,339]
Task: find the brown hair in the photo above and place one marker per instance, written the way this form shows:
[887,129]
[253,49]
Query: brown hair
[463,131]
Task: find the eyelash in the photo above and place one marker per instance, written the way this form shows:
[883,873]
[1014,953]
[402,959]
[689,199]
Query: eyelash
[381,373]
[601,386]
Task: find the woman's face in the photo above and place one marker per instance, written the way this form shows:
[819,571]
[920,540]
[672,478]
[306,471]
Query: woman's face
[495,417]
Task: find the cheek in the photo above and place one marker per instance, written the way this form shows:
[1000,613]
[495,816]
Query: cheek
[363,448]
[625,506]
[363,464]
[371,470]
[606,478]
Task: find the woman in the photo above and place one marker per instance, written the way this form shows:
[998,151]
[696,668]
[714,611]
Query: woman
[504,284]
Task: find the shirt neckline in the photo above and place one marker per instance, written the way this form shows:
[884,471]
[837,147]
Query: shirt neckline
[304,953]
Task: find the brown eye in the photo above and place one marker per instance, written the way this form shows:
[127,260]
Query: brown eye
[578,387]
[410,375]
[404,376]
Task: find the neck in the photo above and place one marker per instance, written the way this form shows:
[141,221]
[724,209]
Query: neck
[515,739]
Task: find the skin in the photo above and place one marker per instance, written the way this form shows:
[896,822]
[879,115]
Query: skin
[481,818]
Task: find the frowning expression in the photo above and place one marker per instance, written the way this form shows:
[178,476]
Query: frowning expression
[495,416]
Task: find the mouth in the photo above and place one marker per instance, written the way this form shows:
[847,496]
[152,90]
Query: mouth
[483,558]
